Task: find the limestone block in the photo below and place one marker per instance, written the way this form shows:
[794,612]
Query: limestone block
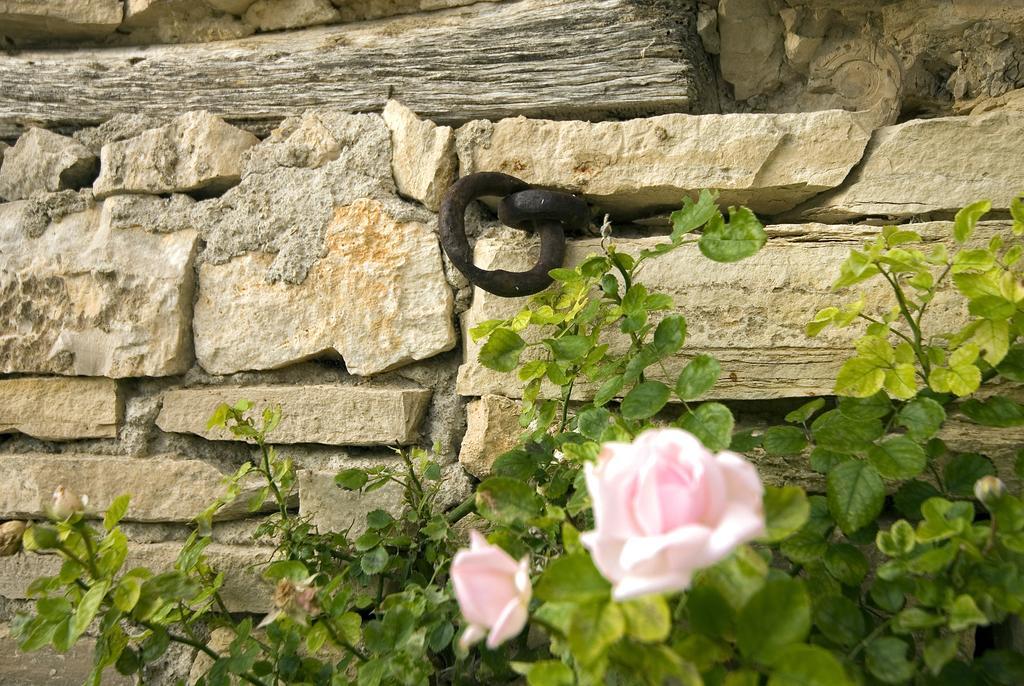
[750,315]
[230,6]
[334,415]
[423,155]
[85,299]
[378,298]
[332,508]
[376,9]
[60,409]
[178,21]
[30,20]
[769,162]
[931,166]
[47,667]
[751,46]
[244,590]
[162,488]
[196,152]
[274,15]
[492,428]
[42,161]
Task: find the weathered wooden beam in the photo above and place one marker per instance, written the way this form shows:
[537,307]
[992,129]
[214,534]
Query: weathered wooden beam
[553,58]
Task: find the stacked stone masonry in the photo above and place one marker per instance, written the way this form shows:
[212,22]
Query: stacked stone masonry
[184,246]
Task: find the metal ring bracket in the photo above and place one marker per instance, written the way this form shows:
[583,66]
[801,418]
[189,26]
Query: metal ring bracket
[547,213]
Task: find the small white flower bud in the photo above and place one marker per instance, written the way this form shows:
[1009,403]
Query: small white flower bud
[989,489]
[66,503]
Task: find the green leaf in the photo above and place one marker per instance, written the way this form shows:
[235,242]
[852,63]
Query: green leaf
[709,612]
[126,595]
[856,268]
[786,510]
[374,562]
[922,418]
[568,347]
[502,350]
[608,390]
[693,215]
[711,423]
[847,564]
[293,570]
[776,616]
[740,238]
[887,660]
[504,500]
[859,377]
[996,411]
[876,406]
[572,578]
[545,673]
[784,440]
[856,494]
[834,431]
[805,411]
[594,629]
[351,479]
[911,495]
[964,613]
[669,335]
[840,619]
[992,337]
[1012,366]
[378,519]
[87,609]
[739,577]
[961,473]
[897,541]
[648,618]
[821,321]
[898,458]
[116,512]
[938,652]
[698,377]
[807,665]
[645,400]
[967,218]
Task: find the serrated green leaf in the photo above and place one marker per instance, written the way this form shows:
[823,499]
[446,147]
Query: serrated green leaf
[711,423]
[856,494]
[898,458]
[502,350]
[786,510]
[967,218]
[698,377]
[777,616]
[645,400]
[693,215]
[739,238]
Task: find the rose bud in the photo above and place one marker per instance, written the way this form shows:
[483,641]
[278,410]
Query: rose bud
[10,537]
[664,507]
[493,591]
[66,503]
[989,489]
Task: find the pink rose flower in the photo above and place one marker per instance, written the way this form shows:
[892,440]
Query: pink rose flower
[493,591]
[664,507]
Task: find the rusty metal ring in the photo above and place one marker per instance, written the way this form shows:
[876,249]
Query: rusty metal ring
[452,223]
[523,209]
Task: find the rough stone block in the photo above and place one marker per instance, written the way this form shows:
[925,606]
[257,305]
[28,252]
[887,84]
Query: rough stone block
[750,315]
[162,488]
[332,508]
[931,167]
[85,299]
[244,590]
[378,298]
[47,667]
[492,428]
[334,415]
[769,162]
[423,155]
[41,162]
[196,152]
[31,20]
[274,15]
[60,409]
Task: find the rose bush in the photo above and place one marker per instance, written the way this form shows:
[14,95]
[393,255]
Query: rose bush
[625,540]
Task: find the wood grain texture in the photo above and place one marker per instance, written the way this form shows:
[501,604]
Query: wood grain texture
[575,59]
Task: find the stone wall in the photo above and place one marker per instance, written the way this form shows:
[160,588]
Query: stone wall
[164,259]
